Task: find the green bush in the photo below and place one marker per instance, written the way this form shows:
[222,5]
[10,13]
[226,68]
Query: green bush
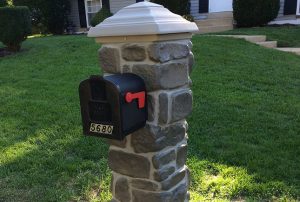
[53,14]
[3,3]
[15,26]
[250,13]
[100,16]
[180,7]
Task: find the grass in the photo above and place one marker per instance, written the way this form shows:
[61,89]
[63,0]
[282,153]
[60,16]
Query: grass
[245,128]
[287,36]
[243,134]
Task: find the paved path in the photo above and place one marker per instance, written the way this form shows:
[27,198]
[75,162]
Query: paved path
[262,41]
[283,22]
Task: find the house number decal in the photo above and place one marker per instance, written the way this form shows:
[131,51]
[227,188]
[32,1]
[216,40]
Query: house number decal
[99,128]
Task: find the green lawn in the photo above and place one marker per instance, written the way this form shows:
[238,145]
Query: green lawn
[244,133]
[287,36]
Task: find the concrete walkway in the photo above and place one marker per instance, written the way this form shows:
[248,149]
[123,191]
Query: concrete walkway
[262,41]
[283,22]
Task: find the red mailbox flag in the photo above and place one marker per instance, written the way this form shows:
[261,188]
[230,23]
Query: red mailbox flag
[141,96]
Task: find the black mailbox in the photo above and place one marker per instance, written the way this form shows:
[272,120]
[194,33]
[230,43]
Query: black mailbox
[113,106]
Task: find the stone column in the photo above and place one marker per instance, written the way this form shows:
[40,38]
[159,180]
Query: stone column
[149,165]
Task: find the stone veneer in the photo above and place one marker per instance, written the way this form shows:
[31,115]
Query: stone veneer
[149,165]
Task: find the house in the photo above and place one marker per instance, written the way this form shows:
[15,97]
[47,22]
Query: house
[210,15]
[82,11]
[216,15]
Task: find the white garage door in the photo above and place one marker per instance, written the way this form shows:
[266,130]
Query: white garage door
[220,5]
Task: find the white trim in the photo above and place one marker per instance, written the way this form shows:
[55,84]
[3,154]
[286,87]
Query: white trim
[298,8]
[86,14]
[87,11]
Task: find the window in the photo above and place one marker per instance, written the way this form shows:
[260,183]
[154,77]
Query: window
[203,6]
[91,8]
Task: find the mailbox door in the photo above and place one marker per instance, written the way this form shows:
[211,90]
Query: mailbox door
[99,102]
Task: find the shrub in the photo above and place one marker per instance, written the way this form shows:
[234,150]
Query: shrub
[180,7]
[189,18]
[250,13]
[15,26]
[51,14]
[3,3]
[100,16]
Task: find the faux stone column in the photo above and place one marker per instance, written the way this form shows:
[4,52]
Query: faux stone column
[149,165]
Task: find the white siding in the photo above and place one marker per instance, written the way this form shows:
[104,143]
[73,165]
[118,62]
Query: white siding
[194,7]
[214,6]
[281,10]
[116,5]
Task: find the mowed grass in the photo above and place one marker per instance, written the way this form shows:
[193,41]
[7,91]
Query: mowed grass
[245,127]
[244,138]
[286,36]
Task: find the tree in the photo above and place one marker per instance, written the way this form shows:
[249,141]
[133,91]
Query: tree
[53,14]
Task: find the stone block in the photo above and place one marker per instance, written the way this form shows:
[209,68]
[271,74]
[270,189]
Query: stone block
[111,187]
[151,107]
[150,74]
[163,158]
[133,52]
[126,69]
[173,74]
[173,180]
[181,155]
[165,76]
[190,82]
[188,197]
[180,193]
[188,177]
[190,44]
[109,59]
[122,190]
[163,173]
[191,62]
[182,104]
[163,108]
[155,138]
[142,196]
[166,51]
[129,164]
[144,185]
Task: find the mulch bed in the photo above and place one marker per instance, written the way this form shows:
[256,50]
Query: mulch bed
[4,52]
